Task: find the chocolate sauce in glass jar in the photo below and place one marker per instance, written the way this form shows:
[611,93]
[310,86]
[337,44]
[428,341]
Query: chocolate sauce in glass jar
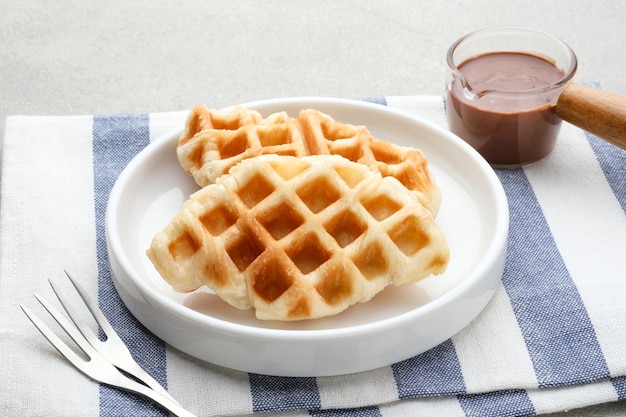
[502,101]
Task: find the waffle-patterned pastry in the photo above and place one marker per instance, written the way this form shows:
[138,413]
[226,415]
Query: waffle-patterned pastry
[299,238]
[214,141]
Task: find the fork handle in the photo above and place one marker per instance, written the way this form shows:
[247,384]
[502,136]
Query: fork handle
[168,404]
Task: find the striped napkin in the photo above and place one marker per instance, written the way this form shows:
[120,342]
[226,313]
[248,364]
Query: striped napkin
[553,337]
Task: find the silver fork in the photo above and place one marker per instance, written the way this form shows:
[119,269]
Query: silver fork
[105,357]
[112,348]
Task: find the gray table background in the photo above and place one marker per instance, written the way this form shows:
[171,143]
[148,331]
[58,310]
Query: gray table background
[84,57]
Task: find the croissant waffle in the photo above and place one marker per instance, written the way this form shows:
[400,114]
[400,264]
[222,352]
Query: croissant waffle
[214,141]
[299,238]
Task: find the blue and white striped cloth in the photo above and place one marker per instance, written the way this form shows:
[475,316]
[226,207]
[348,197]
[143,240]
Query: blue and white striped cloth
[553,337]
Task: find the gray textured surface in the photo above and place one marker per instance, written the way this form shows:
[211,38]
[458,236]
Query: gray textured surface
[83,57]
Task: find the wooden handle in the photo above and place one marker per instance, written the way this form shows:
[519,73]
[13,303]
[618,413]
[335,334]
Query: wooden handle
[598,112]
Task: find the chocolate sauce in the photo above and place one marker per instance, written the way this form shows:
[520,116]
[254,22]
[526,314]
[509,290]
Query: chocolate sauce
[508,127]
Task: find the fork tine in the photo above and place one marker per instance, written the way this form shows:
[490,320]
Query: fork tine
[103,322]
[84,329]
[66,325]
[113,349]
[54,340]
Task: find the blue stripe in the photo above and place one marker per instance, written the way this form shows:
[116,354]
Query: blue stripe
[560,338]
[273,393]
[116,140]
[350,412]
[619,384]
[612,160]
[435,372]
[512,403]
[376,100]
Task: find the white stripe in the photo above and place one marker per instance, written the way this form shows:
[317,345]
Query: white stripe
[494,334]
[46,216]
[228,392]
[163,123]
[209,390]
[558,399]
[487,346]
[427,107]
[377,386]
[589,228]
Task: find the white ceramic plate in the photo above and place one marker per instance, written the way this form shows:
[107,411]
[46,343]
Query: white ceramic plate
[398,323]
